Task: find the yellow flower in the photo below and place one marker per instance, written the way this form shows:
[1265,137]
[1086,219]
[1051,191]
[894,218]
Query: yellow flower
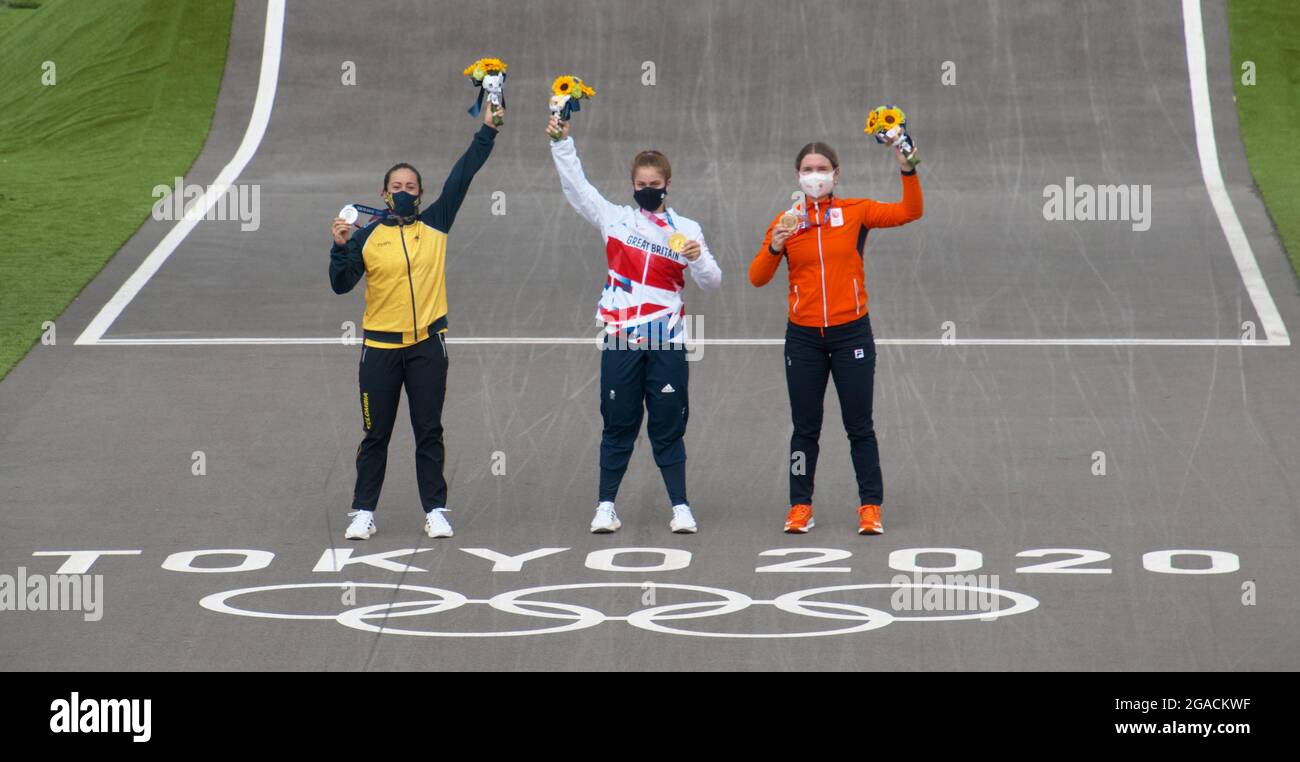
[884,118]
[566,85]
[483,67]
[572,86]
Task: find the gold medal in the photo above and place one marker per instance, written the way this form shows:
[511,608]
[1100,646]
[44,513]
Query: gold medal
[789,221]
[677,242]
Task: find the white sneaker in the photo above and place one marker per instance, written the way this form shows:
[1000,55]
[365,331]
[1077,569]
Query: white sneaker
[435,524]
[362,526]
[683,522]
[606,520]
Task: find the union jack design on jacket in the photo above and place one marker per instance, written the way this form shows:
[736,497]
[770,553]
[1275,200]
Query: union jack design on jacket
[645,279]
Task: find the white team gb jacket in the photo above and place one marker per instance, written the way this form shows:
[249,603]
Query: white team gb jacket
[645,277]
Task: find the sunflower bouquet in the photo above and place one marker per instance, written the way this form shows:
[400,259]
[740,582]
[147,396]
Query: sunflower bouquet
[567,94]
[888,124]
[489,76]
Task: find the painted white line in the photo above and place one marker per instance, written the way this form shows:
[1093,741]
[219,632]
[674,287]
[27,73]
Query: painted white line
[1206,147]
[199,208]
[542,340]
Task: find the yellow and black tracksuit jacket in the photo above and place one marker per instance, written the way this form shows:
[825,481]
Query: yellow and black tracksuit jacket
[405,265]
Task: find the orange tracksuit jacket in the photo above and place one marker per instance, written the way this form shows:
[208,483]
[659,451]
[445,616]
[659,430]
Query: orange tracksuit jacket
[827,282]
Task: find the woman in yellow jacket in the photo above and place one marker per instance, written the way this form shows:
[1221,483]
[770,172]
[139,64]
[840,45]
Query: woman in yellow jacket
[829,331]
[402,257]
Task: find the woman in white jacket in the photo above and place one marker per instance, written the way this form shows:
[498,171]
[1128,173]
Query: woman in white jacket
[643,359]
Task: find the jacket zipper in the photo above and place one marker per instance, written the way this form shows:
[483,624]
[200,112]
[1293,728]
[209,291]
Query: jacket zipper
[410,282]
[856,309]
[826,320]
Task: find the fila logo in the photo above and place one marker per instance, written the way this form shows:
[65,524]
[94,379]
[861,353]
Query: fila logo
[858,354]
[668,389]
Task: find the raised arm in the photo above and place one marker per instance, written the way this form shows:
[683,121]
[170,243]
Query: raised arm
[580,194]
[442,213]
[882,215]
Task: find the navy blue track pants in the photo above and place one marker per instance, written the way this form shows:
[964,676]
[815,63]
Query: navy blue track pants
[846,353]
[635,382]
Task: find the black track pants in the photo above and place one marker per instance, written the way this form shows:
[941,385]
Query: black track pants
[422,369]
[846,353]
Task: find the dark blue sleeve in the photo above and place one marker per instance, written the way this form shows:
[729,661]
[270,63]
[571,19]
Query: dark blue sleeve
[442,212]
[346,263]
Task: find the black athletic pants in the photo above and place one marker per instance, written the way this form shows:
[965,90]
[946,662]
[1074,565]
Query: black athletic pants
[634,381]
[422,368]
[846,352]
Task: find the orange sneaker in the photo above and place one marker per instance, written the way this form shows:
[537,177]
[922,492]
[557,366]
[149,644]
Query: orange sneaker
[869,520]
[800,519]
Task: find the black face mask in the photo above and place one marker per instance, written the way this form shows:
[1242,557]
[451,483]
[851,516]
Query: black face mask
[649,199]
[403,204]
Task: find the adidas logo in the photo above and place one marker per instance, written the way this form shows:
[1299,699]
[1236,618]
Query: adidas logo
[668,389]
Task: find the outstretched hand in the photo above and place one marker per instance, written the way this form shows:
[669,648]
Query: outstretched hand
[903,163]
[556,126]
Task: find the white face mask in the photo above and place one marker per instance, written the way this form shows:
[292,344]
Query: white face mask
[817,184]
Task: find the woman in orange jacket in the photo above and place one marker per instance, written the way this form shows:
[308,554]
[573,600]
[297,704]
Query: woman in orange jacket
[829,330]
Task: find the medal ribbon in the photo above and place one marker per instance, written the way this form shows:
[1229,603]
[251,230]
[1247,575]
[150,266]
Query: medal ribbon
[669,224]
[370,210]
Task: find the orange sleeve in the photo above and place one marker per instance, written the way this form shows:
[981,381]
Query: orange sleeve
[765,262]
[881,215]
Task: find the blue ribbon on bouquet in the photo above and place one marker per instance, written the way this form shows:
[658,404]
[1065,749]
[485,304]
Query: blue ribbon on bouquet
[571,105]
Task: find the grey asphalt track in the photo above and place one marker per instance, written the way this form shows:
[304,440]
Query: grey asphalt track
[984,448]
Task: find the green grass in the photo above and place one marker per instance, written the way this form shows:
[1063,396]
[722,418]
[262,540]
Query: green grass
[136,85]
[1265,31]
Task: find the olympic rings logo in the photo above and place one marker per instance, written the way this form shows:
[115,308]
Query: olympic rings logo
[572,617]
